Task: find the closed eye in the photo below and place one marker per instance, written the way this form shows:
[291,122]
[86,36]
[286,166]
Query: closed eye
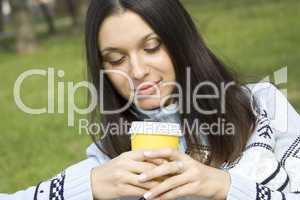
[117,62]
[153,49]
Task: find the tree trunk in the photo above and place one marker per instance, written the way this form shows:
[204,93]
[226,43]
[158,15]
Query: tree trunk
[77,10]
[48,16]
[25,35]
[1,18]
[73,12]
[82,7]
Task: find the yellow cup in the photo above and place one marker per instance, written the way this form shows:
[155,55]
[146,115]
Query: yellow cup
[154,135]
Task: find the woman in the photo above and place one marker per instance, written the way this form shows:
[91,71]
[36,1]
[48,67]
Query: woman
[150,44]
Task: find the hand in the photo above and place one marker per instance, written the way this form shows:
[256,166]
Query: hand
[189,177]
[119,177]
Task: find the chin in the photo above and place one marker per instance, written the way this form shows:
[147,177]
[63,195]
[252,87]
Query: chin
[148,104]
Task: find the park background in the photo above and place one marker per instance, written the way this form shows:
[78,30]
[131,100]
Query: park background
[254,37]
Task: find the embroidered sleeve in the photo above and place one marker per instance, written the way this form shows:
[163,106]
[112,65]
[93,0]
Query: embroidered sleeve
[52,189]
[72,183]
[244,188]
[285,125]
[258,162]
[269,166]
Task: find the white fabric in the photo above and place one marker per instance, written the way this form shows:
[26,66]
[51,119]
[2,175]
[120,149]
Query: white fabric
[272,156]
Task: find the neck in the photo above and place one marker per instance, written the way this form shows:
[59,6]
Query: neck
[157,114]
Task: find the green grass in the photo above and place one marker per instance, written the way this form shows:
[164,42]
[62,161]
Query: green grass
[253,37]
[36,147]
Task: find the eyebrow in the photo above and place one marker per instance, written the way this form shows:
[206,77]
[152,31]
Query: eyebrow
[116,49]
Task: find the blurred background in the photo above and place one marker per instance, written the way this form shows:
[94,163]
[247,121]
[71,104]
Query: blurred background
[254,38]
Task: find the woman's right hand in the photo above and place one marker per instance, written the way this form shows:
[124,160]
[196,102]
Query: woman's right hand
[119,177]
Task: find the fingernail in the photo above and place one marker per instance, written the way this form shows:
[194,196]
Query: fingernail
[147,195]
[147,153]
[142,177]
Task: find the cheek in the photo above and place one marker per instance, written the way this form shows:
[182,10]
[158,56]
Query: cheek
[121,84]
[164,64]
[168,69]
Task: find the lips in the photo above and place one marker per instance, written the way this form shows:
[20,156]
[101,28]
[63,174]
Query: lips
[147,87]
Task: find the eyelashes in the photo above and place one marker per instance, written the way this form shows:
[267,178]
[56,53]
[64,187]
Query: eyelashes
[120,57]
[121,60]
[117,62]
[152,50]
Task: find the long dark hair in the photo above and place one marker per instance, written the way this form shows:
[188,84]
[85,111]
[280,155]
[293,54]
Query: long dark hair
[170,20]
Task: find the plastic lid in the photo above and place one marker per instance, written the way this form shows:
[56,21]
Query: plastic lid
[157,128]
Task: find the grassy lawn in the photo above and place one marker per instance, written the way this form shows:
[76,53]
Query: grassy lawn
[255,38]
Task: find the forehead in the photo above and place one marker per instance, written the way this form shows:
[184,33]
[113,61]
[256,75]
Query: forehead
[122,29]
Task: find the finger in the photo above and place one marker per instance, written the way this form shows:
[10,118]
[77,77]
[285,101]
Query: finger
[167,153]
[180,191]
[137,155]
[159,171]
[130,190]
[132,179]
[139,167]
[167,185]
[157,161]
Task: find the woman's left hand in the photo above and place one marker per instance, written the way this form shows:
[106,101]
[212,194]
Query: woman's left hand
[187,177]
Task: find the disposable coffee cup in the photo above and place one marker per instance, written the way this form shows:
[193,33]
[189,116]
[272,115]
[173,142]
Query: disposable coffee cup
[154,135]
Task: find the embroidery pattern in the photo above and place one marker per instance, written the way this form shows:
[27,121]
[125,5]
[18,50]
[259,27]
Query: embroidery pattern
[283,196]
[36,191]
[57,187]
[262,192]
[281,188]
[273,175]
[260,144]
[292,151]
[296,155]
[227,165]
[264,128]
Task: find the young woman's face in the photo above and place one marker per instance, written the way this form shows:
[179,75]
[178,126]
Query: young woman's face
[129,45]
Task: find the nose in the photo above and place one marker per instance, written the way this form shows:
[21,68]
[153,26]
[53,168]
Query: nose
[138,68]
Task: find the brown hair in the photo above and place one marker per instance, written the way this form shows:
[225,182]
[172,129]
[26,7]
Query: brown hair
[186,48]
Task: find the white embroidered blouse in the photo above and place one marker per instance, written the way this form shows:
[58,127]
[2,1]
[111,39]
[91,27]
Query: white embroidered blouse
[269,168]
